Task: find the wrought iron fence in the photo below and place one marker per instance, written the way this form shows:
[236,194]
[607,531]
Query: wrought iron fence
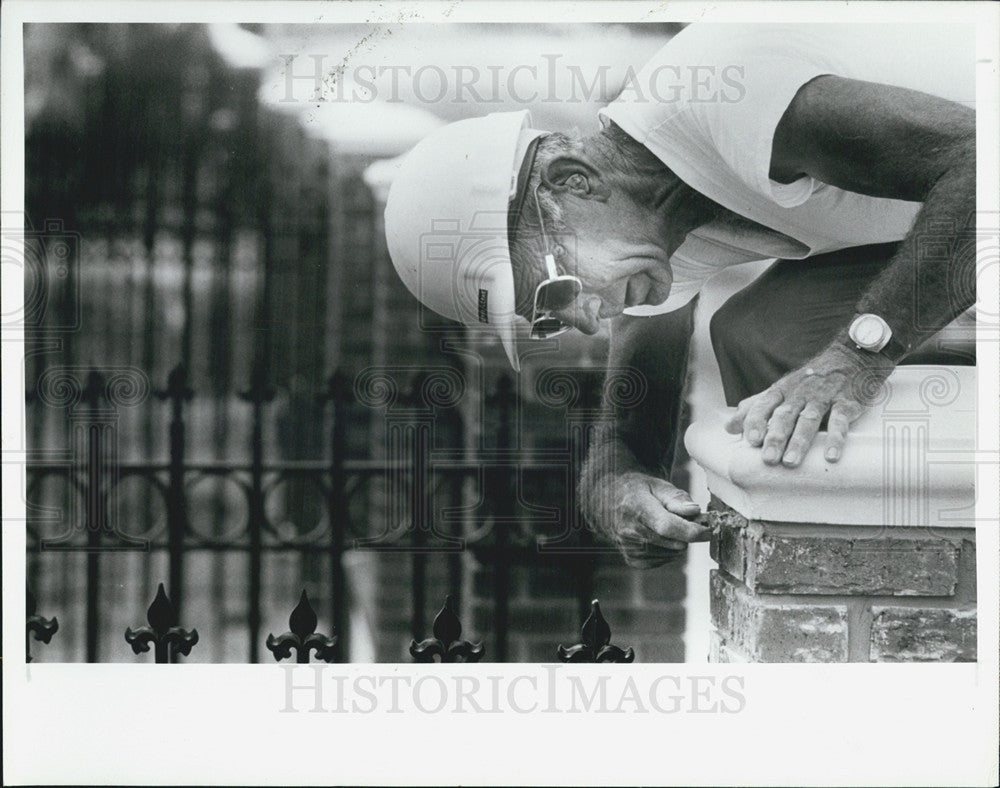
[426,511]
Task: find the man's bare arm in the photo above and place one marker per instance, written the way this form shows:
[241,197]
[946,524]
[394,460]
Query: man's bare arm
[882,141]
[623,489]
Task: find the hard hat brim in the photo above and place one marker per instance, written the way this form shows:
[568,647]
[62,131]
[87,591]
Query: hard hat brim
[446,221]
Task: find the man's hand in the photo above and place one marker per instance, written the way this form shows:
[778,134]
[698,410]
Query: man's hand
[785,418]
[648,518]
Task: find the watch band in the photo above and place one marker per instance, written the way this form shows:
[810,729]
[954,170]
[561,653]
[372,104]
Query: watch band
[894,349]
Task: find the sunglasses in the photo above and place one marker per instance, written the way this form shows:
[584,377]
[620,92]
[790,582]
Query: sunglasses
[555,292]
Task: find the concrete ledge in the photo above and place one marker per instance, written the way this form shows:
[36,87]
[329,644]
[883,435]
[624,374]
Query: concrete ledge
[909,461]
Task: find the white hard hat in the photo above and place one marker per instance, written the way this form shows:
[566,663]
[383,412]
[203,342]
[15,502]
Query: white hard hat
[446,220]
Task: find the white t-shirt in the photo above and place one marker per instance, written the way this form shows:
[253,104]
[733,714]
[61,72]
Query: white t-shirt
[707,105]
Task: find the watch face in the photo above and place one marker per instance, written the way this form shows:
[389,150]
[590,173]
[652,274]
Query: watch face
[867,331]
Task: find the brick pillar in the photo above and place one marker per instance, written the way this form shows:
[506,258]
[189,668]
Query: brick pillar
[810,592]
[872,559]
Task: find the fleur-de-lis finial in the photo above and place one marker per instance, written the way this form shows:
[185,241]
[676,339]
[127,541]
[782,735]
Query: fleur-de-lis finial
[303,636]
[596,642]
[42,628]
[446,644]
[162,632]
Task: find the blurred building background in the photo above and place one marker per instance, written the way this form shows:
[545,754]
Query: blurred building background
[205,234]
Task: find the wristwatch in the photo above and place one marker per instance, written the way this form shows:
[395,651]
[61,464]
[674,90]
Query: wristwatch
[871,333]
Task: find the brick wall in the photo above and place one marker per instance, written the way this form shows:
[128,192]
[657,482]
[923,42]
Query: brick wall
[645,609]
[392,613]
[827,593]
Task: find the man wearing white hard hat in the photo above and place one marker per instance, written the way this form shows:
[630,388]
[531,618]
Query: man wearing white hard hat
[835,149]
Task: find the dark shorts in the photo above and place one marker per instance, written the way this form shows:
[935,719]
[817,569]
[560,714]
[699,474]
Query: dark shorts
[792,311]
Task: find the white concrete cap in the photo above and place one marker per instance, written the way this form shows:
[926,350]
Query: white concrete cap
[908,461]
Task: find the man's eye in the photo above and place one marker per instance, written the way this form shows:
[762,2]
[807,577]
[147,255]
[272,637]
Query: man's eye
[576,181]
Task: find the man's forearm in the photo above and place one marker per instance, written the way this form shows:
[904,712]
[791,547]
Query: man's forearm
[638,432]
[901,144]
[651,352]
[922,290]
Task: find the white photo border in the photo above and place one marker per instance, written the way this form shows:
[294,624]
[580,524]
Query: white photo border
[223,724]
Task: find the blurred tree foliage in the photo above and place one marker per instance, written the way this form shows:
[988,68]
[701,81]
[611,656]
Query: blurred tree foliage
[105,103]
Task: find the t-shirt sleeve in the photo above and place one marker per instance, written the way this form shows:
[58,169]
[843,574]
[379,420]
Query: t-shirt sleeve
[728,86]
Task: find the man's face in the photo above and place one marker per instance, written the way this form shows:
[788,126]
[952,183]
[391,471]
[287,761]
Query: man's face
[619,251]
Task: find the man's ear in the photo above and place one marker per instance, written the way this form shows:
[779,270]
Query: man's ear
[569,174]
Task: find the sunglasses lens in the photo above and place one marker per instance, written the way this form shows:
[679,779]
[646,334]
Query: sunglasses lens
[556,294]
[546,327]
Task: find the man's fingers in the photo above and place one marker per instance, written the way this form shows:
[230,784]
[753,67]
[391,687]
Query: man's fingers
[649,539]
[678,502]
[735,423]
[784,419]
[779,430]
[643,547]
[675,499]
[805,431]
[755,425]
[673,527]
[841,416]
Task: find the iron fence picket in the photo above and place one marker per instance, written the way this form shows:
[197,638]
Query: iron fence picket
[94,507]
[302,637]
[176,393]
[42,629]
[257,395]
[163,633]
[338,393]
